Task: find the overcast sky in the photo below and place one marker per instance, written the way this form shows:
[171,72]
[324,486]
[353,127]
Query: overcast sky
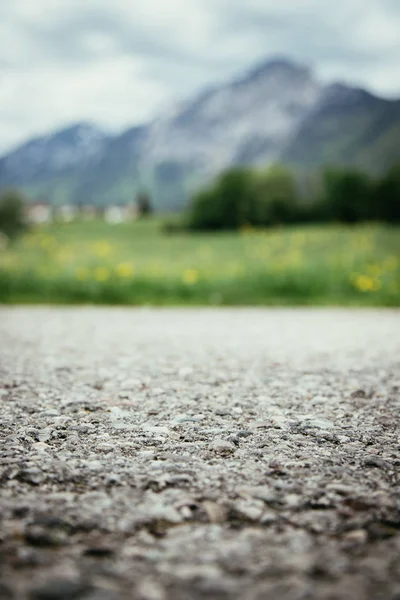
[119,62]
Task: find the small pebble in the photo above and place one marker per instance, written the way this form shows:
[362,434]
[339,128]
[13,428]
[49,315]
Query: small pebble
[222,448]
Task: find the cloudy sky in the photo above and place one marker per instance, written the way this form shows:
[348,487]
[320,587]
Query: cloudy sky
[118,62]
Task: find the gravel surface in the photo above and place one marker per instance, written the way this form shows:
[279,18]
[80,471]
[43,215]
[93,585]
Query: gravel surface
[192,454]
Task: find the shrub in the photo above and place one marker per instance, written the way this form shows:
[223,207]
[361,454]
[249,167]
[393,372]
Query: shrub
[12,219]
[386,204]
[229,204]
[276,197]
[346,195]
[143,204]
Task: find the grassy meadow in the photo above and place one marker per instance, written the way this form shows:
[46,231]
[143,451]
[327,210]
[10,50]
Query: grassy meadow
[136,263]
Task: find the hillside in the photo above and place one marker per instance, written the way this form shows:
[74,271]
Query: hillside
[347,126]
[277,111]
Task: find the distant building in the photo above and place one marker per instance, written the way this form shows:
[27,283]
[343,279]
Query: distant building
[143,204]
[42,212]
[39,213]
[120,213]
[114,214]
[67,213]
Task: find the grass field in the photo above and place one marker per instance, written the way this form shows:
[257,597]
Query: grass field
[135,263]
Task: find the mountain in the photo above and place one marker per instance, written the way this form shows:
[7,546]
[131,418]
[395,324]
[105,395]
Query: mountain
[347,126]
[240,121]
[53,165]
[75,147]
[277,111]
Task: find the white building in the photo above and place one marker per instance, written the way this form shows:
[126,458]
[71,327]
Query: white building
[119,214]
[67,213]
[39,213]
[114,214]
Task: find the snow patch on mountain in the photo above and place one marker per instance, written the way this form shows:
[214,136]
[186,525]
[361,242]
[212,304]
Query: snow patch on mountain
[74,147]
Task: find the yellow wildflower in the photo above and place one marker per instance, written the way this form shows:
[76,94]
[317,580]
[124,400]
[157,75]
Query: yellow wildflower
[367,284]
[125,270]
[190,276]
[102,248]
[101,274]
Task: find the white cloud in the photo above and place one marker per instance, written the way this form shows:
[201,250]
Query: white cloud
[107,91]
[117,63]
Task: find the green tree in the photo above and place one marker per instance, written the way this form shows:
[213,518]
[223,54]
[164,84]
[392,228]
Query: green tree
[204,211]
[228,204]
[143,204]
[12,219]
[387,196]
[347,195]
[276,197]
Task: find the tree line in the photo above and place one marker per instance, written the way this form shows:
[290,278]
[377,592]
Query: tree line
[14,220]
[277,196]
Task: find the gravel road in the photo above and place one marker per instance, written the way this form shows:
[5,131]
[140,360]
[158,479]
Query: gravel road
[180,454]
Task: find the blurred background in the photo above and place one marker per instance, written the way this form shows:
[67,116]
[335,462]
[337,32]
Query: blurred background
[200,152]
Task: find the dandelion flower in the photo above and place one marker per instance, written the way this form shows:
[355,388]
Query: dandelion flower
[101,274]
[102,248]
[190,276]
[366,284]
[125,270]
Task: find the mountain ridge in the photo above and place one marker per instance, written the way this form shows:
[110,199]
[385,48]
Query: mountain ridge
[276,111]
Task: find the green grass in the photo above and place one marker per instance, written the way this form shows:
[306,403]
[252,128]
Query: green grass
[135,263]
